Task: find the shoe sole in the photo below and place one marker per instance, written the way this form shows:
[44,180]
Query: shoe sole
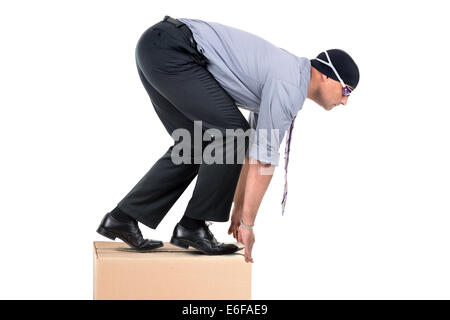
[113,236]
[186,243]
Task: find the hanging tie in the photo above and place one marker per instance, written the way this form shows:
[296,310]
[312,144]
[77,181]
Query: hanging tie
[286,161]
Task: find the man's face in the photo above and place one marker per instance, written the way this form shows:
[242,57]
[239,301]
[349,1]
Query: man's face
[330,94]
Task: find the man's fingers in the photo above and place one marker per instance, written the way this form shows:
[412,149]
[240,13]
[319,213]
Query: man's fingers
[232,227]
[248,255]
[248,252]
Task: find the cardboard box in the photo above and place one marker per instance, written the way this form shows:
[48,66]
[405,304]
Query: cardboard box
[168,272]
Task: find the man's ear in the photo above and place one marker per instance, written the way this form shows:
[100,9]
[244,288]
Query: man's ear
[323,77]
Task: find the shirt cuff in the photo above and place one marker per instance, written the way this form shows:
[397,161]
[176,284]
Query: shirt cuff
[264,153]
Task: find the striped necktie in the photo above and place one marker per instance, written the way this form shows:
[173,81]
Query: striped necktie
[286,161]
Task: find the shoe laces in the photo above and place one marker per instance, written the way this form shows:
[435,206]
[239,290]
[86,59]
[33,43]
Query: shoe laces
[207,224]
[138,231]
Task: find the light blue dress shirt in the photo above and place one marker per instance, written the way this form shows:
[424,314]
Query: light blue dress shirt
[269,81]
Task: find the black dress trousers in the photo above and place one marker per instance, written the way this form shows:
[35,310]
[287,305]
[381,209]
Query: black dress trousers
[182,91]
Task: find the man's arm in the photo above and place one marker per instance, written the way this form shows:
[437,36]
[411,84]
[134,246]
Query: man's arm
[258,178]
[240,188]
[256,183]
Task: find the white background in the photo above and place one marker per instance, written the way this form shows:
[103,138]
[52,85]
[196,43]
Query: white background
[367,215]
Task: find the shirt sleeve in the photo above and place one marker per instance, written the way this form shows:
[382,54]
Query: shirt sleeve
[276,113]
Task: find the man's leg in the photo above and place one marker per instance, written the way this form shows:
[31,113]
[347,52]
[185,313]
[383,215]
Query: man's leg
[153,196]
[175,71]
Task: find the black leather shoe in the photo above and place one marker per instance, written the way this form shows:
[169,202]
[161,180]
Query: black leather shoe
[201,239]
[128,232]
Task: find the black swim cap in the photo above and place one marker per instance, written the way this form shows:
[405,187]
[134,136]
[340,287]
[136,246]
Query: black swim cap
[342,62]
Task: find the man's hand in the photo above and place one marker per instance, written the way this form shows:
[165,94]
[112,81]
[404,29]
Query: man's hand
[258,178]
[247,238]
[235,222]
